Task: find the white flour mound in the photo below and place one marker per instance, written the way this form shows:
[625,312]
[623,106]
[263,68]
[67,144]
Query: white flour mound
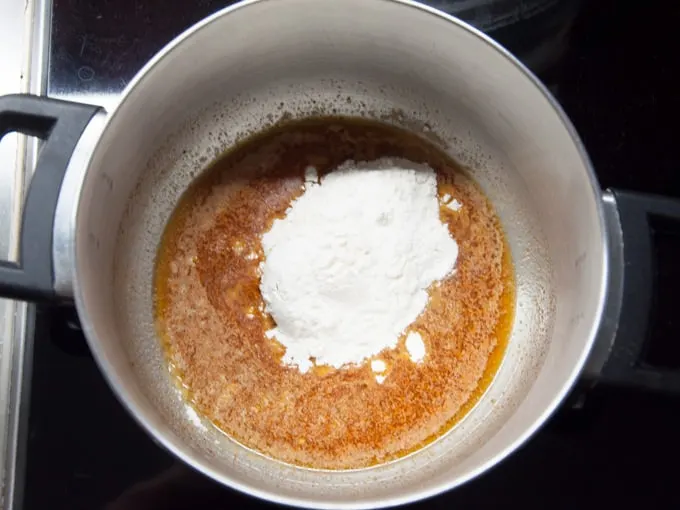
[347,270]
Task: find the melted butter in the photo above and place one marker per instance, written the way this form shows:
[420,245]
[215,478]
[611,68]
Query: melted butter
[502,333]
[249,292]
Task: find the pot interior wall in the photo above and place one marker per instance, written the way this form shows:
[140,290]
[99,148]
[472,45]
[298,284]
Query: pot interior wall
[244,70]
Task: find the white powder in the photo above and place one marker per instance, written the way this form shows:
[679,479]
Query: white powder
[378,366]
[347,270]
[415,346]
[451,202]
[454,205]
[194,417]
[311,176]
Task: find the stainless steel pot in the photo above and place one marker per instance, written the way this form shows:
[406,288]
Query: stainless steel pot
[94,237]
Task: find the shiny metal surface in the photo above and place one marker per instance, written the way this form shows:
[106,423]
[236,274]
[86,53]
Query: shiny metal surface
[12,29]
[490,113]
[610,318]
[23,31]
[64,218]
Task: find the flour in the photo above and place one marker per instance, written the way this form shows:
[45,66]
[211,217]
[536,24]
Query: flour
[378,366]
[415,346]
[347,270]
[194,417]
[454,205]
[451,203]
[311,177]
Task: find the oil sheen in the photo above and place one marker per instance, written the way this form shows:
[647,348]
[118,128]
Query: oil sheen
[212,322]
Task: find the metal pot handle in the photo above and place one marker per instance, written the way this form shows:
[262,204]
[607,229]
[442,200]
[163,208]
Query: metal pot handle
[60,124]
[634,294]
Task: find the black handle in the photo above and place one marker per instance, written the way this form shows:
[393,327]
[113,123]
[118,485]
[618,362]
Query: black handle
[60,124]
[625,366]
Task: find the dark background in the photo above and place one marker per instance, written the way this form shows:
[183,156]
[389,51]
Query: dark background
[618,83]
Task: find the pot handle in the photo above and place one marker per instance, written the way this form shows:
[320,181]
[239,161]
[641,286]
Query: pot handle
[60,124]
[625,365]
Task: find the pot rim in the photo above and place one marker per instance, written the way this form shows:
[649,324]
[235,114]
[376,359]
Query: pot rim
[185,455]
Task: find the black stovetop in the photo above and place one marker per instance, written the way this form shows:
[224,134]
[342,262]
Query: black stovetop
[618,84]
